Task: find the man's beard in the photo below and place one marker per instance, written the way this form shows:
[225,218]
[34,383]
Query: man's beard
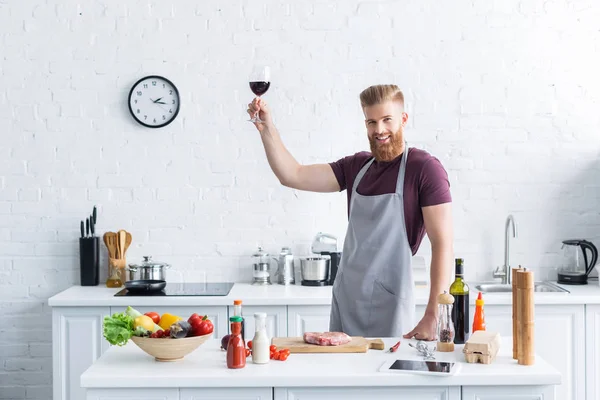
[390,150]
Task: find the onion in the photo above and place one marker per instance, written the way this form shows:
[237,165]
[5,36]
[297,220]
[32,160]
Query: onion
[225,341]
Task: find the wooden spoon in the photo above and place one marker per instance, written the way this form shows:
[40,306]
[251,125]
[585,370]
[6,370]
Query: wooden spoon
[109,242]
[122,239]
[127,241]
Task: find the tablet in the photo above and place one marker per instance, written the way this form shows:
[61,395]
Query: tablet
[439,368]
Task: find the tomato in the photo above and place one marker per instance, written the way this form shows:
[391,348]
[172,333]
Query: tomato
[154,315]
[273,348]
[283,356]
[276,355]
[250,344]
[247,352]
[284,351]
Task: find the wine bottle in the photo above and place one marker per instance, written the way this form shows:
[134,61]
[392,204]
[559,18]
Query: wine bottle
[460,312]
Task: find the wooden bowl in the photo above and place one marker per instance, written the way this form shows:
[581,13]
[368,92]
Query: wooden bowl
[168,349]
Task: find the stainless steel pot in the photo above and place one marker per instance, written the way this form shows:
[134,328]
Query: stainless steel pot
[148,270]
[314,268]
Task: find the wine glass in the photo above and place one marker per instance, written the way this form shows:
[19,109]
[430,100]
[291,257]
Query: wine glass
[259,84]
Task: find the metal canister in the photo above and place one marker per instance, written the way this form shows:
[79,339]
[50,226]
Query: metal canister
[285,267]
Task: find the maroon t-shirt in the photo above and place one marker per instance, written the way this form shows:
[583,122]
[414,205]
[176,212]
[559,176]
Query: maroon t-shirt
[425,184]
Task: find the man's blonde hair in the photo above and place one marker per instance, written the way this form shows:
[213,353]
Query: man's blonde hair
[378,94]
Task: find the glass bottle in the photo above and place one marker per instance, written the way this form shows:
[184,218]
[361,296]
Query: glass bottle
[460,312]
[260,343]
[445,327]
[236,348]
[237,312]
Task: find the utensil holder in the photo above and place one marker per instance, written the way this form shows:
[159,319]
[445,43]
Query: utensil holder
[89,260]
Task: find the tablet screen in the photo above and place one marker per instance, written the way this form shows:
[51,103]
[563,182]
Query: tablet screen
[425,366]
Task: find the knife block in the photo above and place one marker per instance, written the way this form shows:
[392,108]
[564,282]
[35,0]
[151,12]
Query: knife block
[89,260]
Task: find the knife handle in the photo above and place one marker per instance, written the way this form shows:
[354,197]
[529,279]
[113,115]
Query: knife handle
[92,226]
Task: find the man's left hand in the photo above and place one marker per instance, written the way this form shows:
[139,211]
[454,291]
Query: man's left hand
[426,329]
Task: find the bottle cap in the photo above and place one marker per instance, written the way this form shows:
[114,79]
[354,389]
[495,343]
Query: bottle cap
[236,319]
[459,266]
[237,302]
[260,315]
[479,301]
[445,298]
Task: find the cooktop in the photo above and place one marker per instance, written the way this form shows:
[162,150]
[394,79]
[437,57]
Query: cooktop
[186,289]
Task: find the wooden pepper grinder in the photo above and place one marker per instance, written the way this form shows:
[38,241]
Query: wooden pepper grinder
[445,326]
[525,318]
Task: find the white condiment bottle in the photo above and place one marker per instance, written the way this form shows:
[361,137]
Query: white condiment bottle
[260,343]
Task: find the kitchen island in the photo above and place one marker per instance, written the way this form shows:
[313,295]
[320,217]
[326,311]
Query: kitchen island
[128,372]
[572,317]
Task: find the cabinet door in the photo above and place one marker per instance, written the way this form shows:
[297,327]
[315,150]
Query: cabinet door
[217,314]
[512,393]
[227,394]
[360,393]
[559,339]
[133,394]
[77,342]
[276,320]
[592,351]
[307,319]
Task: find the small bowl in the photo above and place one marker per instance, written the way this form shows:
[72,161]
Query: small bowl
[169,349]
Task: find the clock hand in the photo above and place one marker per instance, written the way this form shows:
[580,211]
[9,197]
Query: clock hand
[160,102]
[156,101]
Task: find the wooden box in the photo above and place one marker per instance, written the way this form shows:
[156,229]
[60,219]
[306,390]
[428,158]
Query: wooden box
[482,347]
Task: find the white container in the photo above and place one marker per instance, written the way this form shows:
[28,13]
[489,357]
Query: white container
[261,342]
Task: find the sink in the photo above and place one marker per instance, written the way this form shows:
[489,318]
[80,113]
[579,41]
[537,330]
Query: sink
[503,288]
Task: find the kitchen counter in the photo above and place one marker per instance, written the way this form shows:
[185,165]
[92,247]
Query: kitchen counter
[129,367]
[86,296]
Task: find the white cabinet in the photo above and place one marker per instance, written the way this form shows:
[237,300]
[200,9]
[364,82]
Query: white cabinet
[276,320]
[132,394]
[559,339]
[592,351]
[77,342]
[360,393]
[512,393]
[217,314]
[307,319]
[227,394]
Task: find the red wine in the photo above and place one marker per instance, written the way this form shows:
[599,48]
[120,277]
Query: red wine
[259,88]
[460,318]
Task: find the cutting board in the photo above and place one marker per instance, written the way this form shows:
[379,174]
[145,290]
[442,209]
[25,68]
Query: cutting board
[356,345]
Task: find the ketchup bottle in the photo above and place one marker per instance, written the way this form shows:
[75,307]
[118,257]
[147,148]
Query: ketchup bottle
[479,318]
[236,348]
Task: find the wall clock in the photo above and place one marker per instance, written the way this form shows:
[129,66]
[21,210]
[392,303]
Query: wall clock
[154,101]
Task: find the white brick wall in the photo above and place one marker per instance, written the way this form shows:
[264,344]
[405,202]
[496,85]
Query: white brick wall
[505,93]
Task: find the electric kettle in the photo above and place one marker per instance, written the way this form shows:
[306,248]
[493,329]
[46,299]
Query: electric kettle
[577,263]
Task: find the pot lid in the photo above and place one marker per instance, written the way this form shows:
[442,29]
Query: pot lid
[148,263]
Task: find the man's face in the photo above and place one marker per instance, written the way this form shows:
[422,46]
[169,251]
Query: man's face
[385,129]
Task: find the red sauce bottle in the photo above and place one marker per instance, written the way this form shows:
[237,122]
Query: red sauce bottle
[236,348]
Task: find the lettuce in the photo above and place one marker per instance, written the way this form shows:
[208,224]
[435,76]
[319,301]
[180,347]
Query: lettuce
[118,328]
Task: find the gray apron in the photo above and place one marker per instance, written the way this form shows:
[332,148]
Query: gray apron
[373,289]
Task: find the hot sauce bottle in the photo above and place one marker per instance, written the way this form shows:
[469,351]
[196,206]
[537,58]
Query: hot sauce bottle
[236,348]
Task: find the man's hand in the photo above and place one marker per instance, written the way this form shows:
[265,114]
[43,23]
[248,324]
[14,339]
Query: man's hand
[259,106]
[426,329]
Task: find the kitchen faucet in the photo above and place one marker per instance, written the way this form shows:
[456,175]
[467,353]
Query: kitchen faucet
[504,273]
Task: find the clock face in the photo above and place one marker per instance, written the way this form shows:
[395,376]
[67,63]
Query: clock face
[154,101]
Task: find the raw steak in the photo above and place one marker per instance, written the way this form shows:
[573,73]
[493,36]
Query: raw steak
[326,338]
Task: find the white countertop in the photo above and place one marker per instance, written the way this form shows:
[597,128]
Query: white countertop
[89,296]
[130,367]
